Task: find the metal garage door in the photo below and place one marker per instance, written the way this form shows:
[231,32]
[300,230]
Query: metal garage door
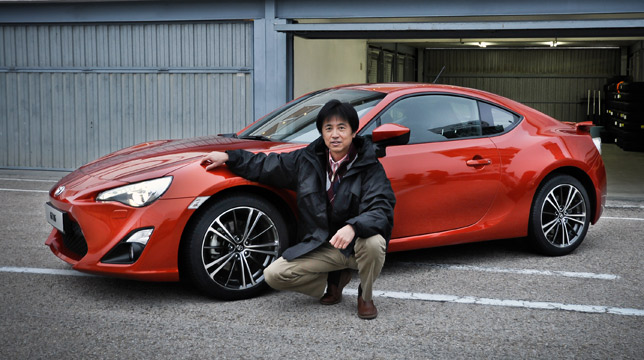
[553,81]
[71,93]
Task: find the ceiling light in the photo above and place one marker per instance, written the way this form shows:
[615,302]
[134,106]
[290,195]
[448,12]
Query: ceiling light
[482,44]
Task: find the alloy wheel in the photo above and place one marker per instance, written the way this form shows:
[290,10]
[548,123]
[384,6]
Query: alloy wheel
[238,245]
[563,216]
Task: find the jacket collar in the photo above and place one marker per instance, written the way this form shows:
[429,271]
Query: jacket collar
[316,152]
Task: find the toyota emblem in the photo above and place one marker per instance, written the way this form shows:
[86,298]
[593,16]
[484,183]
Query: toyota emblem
[59,190]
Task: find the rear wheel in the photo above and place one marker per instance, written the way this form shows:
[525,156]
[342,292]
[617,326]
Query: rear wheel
[230,244]
[560,215]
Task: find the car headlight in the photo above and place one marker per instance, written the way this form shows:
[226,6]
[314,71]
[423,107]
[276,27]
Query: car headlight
[138,194]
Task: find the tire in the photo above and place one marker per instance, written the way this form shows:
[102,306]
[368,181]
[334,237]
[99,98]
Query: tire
[228,246]
[560,216]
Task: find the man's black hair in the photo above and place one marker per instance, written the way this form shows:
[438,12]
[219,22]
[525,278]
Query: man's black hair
[342,110]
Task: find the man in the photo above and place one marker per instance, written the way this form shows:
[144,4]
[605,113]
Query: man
[345,207]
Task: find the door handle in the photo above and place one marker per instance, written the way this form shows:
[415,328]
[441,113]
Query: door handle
[478,162]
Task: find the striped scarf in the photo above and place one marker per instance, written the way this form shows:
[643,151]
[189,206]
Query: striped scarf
[336,170]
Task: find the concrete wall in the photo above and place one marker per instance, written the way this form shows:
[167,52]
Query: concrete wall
[322,63]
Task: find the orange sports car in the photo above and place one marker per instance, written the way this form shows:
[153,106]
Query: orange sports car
[466,165]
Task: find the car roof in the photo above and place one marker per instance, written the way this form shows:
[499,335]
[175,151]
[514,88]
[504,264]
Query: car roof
[410,87]
[392,87]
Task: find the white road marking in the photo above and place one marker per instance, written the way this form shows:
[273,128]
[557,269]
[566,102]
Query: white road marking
[621,218]
[25,190]
[623,206]
[28,270]
[32,180]
[583,275]
[598,309]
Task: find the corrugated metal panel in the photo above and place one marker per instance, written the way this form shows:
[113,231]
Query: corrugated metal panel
[62,120]
[553,81]
[207,45]
[72,93]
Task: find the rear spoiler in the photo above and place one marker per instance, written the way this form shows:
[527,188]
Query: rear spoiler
[583,127]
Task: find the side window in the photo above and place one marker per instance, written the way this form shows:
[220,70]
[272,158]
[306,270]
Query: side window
[495,120]
[433,118]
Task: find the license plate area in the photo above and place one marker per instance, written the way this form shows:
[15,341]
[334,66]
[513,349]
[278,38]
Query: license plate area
[55,217]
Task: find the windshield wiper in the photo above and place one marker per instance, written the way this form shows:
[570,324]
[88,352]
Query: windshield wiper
[256,137]
[228,135]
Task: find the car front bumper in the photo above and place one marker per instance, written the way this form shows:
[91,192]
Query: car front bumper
[100,226]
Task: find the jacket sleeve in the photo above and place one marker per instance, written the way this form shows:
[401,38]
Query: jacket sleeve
[376,209]
[273,169]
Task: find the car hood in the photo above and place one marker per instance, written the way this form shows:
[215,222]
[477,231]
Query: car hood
[158,158]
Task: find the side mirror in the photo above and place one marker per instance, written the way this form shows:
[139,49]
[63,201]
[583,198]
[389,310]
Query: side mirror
[388,135]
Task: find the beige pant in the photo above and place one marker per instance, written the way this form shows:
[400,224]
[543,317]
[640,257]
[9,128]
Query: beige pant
[308,273]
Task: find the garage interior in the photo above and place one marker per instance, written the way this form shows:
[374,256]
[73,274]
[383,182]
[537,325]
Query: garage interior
[568,78]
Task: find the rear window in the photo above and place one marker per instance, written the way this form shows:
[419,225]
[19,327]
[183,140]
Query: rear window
[495,120]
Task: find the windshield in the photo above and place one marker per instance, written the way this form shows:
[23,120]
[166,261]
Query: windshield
[296,122]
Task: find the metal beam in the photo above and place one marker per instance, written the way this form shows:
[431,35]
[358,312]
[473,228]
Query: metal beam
[336,9]
[128,70]
[462,26]
[270,75]
[488,29]
[130,11]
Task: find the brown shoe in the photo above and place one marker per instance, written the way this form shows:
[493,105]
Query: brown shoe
[334,290]
[366,309]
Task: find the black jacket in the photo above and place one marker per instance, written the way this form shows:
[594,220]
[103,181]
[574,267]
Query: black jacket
[364,198]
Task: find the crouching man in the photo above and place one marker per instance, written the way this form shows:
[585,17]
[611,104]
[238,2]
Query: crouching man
[345,204]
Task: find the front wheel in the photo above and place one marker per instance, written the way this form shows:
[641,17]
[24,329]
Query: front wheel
[230,244]
[560,215]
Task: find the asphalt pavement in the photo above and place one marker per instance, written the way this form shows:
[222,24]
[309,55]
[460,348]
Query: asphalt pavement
[494,299]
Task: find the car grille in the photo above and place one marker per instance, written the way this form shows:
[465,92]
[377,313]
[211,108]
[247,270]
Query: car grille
[74,240]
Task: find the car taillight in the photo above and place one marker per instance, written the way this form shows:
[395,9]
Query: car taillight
[587,127]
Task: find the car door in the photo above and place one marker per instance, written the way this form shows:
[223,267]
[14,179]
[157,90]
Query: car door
[448,175]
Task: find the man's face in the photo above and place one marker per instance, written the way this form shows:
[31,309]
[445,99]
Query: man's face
[337,136]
